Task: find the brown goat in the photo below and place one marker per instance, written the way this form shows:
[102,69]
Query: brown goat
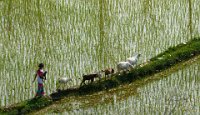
[90,77]
[108,71]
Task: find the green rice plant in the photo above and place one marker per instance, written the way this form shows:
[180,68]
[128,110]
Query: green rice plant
[190,18]
[153,96]
[63,35]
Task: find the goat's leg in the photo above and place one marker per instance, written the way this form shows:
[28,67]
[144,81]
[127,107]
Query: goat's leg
[83,81]
[92,80]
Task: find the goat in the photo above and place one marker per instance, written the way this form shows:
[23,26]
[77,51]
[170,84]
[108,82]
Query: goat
[90,77]
[133,60]
[64,80]
[108,71]
[124,66]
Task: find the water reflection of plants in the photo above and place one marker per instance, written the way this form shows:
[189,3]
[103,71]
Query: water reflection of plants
[71,38]
[176,93]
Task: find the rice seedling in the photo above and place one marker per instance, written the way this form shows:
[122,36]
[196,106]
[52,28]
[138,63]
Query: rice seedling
[170,95]
[74,37]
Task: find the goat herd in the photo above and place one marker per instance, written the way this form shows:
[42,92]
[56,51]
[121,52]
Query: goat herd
[121,66]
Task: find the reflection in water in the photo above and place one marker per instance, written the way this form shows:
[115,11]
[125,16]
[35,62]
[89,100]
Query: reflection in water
[76,37]
[177,93]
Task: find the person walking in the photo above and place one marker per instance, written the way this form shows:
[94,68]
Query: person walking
[41,76]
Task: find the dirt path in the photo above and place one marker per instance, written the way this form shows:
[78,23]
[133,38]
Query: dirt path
[108,96]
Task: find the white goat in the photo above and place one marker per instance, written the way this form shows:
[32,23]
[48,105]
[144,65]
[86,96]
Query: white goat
[64,80]
[124,66]
[133,60]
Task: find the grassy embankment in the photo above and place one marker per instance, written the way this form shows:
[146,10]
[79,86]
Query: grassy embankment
[170,57]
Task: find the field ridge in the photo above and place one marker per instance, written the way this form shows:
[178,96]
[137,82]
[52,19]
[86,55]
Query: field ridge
[165,60]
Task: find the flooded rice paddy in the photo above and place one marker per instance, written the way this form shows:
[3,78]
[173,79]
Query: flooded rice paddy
[76,37]
[173,91]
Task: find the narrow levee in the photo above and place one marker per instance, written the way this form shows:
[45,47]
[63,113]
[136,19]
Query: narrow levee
[163,61]
[172,91]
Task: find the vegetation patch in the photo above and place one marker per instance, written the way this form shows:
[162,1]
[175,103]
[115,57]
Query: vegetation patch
[158,63]
[27,106]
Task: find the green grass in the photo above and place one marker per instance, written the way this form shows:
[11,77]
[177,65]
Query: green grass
[173,91]
[159,63]
[27,106]
[74,37]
